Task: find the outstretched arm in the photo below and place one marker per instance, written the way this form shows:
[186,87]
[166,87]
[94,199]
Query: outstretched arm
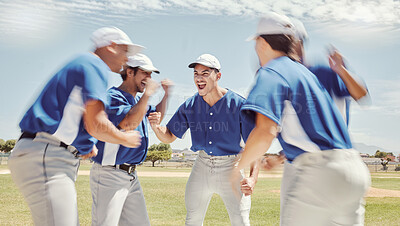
[355,88]
[98,126]
[259,140]
[162,132]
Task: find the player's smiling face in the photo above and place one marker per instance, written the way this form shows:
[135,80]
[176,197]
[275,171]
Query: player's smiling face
[140,79]
[205,79]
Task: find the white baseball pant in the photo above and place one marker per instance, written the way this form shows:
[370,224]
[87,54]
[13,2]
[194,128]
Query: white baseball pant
[212,175]
[324,188]
[45,174]
[117,198]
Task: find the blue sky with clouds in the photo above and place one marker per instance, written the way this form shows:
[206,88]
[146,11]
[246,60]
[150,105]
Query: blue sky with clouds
[38,37]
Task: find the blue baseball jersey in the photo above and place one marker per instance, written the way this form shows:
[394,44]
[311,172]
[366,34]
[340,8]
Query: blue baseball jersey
[289,94]
[218,129]
[114,154]
[335,87]
[59,108]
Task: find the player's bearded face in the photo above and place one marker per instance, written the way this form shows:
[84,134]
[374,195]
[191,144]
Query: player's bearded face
[141,78]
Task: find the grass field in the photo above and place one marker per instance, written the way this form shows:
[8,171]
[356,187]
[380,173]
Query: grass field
[165,201]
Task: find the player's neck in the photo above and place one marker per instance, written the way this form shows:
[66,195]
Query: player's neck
[270,55]
[215,95]
[128,88]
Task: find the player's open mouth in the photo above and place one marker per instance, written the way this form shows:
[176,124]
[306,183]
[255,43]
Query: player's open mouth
[201,85]
[143,84]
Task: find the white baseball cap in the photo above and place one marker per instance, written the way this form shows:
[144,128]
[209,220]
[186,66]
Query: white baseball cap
[107,35]
[300,30]
[207,60]
[143,62]
[272,24]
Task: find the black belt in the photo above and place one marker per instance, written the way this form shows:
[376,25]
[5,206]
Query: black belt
[62,144]
[129,168]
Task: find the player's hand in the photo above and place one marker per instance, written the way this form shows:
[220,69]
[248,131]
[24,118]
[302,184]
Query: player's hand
[167,85]
[235,182]
[132,139]
[151,87]
[91,153]
[270,162]
[247,185]
[335,60]
[154,119]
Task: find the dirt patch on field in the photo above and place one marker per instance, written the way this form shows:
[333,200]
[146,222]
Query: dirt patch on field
[372,192]
[174,174]
[378,192]
[6,171]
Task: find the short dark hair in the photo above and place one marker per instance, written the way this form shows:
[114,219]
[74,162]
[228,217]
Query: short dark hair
[123,73]
[280,42]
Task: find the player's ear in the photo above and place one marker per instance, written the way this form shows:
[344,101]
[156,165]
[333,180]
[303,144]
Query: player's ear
[112,48]
[130,72]
[219,76]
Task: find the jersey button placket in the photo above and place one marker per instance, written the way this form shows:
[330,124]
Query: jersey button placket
[211,119]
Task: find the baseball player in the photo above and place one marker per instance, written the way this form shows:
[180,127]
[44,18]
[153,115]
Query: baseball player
[62,126]
[337,80]
[212,115]
[117,195]
[288,101]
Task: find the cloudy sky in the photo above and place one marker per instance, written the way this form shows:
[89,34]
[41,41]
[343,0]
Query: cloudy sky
[38,37]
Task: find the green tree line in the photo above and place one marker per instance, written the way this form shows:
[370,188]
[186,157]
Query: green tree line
[7,146]
[159,152]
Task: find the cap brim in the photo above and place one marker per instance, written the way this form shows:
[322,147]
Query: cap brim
[251,38]
[149,69]
[192,65]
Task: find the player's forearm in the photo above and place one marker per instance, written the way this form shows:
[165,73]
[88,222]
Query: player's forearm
[102,129]
[259,140]
[162,106]
[163,134]
[135,115]
[355,88]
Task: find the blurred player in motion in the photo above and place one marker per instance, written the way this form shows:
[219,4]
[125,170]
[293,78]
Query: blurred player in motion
[62,126]
[288,102]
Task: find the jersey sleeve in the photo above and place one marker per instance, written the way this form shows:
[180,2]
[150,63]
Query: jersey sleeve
[340,88]
[266,97]
[247,124]
[118,107]
[94,84]
[330,81]
[178,125]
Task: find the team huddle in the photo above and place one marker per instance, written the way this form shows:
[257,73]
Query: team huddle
[306,107]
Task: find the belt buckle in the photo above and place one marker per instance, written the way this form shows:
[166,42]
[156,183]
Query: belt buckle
[128,168]
[131,169]
[72,150]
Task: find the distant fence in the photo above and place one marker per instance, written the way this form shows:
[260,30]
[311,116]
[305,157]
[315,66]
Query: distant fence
[4,158]
[378,167]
